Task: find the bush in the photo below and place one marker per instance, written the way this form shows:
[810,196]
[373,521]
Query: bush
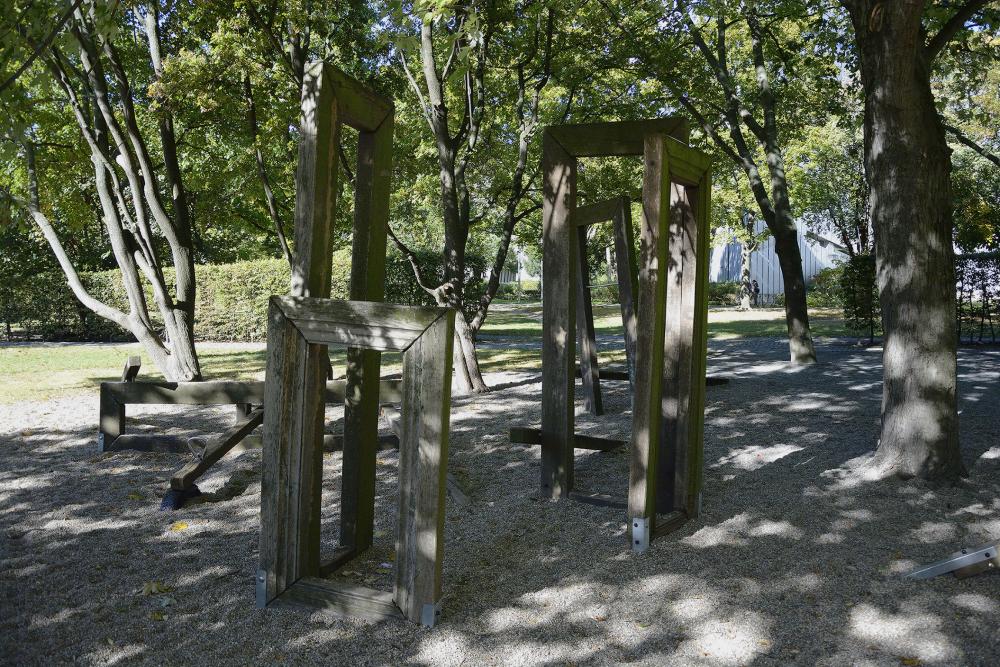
[527,290]
[860,295]
[231,298]
[824,290]
[724,294]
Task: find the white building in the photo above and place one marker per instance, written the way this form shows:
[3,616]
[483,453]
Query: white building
[818,253]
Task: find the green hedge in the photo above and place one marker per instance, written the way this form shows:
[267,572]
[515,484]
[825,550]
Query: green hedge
[231,298]
[824,289]
[724,294]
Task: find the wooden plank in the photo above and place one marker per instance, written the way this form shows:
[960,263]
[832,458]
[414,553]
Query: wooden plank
[628,281]
[599,499]
[371,215]
[341,556]
[361,107]
[315,183]
[646,402]
[668,523]
[609,374]
[700,349]
[111,418]
[558,317]
[589,373]
[222,392]
[423,465]
[217,448]
[615,138]
[533,436]
[672,459]
[132,366]
[342,598]
[600,211]
[358,313]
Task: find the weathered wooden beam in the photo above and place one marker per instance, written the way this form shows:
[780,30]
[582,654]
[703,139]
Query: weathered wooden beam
[591,379]
[558,316]
[216,449]
[341,556]
[601,211]
[342,598]
[222,392]
[132,366]
[423,456]
[533,436]
[599,499]
[615,138]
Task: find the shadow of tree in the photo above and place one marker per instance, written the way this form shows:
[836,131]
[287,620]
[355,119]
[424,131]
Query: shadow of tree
[795,559]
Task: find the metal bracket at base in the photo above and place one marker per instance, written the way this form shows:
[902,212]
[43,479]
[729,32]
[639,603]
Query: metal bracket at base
[640,535]
[261,588]
[964,563]
[429,615]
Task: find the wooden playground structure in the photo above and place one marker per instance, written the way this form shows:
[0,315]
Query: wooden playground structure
[663,304]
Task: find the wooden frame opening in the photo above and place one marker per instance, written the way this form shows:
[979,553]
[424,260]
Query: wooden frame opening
[667,420]
[299,329]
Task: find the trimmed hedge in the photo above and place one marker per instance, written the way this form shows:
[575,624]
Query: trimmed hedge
[231,298]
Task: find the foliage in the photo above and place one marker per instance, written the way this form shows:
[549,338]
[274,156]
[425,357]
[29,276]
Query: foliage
[825,288]
[231,306]
[724,294]
[859,293]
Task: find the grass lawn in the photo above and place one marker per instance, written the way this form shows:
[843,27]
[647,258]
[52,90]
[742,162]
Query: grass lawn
[49,370]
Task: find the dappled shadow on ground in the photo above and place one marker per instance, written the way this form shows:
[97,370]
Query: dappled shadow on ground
[795,560]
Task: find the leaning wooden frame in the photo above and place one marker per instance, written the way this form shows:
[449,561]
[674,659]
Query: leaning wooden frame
[619,212]
[666,446]
[299,329]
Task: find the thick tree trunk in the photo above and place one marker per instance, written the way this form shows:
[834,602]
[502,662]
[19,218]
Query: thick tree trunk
[800,343]
[908,164]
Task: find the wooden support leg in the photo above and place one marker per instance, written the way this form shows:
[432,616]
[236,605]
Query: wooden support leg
[628,278]
[217,448]
[112,420]
[423,465]
[585,330]
[558,318]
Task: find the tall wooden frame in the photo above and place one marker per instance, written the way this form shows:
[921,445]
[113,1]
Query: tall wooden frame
[330,100]
[667,421]
[299,329]
[619,212]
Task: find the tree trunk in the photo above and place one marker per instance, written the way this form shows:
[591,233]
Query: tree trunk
[908,165]
[745,286]
[800,343]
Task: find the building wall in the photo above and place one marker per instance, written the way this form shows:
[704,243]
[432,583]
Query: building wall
[764,265]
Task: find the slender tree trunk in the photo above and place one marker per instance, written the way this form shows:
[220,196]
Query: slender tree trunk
[745,286]
[908,166]
[800,343]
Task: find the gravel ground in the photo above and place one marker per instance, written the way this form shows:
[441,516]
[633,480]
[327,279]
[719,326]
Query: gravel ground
[796,559]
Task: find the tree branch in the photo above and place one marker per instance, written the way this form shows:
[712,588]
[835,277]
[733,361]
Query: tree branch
[951,28]
[966,141]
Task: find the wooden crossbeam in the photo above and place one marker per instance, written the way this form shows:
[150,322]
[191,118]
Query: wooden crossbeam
[216,449]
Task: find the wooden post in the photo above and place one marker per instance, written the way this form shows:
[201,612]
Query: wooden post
[628,279]
[646,401]
[558,317]
[423,449]
[371,219]
[112,419]
[589,374]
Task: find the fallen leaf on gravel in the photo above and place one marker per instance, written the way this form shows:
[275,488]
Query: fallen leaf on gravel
[155,588]
[135,496]
[26,434]
[158,616]
[178,526]
[600,619]
[910,662]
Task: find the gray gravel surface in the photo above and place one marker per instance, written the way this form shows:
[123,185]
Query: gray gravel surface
[795,560]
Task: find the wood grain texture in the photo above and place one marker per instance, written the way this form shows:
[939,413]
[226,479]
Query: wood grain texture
[341,598]
[615,138]
[593,401]
[217,448]
[423,461]
[558,318]
[646,408]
